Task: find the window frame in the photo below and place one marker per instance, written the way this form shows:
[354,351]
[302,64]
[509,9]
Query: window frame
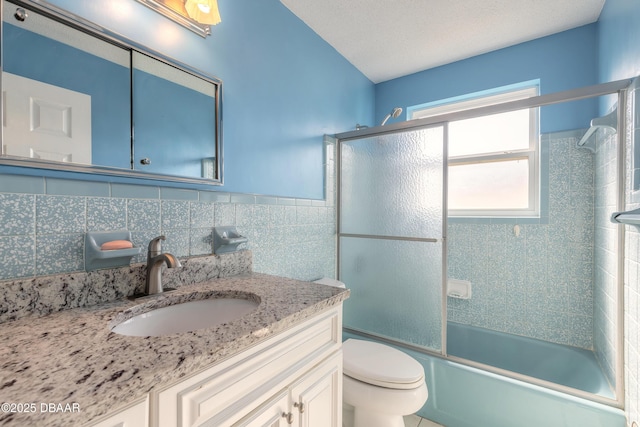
[530,154]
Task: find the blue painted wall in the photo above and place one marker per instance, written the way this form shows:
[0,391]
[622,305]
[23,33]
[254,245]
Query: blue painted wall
[618,42]
[561,61]
[283,87]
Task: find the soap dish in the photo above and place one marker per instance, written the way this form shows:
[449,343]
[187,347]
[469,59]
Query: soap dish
[96,258]
[226,239]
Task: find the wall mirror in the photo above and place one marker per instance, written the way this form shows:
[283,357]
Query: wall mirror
[77,98]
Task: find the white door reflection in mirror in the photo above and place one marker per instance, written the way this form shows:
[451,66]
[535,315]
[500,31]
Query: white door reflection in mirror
[47,122]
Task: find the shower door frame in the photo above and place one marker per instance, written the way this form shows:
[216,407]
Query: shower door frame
[619,87]
[386,130]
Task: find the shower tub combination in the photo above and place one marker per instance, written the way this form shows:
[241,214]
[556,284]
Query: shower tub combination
[392,210]
[465,396]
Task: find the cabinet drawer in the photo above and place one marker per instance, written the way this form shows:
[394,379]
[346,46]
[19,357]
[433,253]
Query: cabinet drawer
[227,391]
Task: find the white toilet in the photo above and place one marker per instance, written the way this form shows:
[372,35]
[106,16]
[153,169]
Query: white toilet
[380,384]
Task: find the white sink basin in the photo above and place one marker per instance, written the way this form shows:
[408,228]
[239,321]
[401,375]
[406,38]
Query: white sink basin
[185,317]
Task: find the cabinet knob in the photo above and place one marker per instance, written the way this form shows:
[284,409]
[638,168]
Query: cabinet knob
[300,407]
[145,161]
[288,416]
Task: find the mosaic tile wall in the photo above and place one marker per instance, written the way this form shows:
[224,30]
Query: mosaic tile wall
[538,282]
[43,221]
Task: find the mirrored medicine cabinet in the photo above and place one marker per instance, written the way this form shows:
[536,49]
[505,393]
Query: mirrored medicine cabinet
[78,98]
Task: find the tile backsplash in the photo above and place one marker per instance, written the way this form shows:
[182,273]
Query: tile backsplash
[43,222]
[42,234]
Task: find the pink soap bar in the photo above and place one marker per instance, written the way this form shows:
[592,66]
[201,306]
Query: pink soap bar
[116,244]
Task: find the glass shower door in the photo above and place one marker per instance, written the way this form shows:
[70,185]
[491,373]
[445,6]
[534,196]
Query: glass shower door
[391,228]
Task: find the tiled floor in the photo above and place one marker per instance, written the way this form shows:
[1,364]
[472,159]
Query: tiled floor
[416,421]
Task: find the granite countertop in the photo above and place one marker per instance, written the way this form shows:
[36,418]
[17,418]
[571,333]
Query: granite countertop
[71,358]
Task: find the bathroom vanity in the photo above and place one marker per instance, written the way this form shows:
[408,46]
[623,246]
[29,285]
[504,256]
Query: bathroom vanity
[278,365]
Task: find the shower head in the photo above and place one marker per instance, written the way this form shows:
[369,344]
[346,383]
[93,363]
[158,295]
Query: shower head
[395,113]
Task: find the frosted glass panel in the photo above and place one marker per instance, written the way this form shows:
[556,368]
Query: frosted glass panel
[396,289]
[391,185]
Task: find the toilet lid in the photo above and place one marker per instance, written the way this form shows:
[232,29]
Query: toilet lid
[381,365]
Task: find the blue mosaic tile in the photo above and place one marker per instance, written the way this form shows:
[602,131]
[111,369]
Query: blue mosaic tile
[290,214]
[143,215]
[202,214]
[175,214]
[261,216]
[59,253]
[106,214]
[17,214]
[201,241]
[60,214]
[142,239]
[244,214]
[225,214]
[277,216]
[177,242]
[18,254]
[305,215]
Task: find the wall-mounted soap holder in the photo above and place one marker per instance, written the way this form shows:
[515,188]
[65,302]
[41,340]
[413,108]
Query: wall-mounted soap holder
[226,239]
[95,257]
[459,289]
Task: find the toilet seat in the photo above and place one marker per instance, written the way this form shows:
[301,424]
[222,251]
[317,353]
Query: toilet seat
[381,365]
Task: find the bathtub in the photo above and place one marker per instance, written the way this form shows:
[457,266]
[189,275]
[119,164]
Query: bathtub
[570,366]
[464,396]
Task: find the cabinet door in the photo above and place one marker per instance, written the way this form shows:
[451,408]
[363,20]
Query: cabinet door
[317,397]
[136,415]
[274,413]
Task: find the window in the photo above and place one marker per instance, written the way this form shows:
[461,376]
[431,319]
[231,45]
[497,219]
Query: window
[494,159]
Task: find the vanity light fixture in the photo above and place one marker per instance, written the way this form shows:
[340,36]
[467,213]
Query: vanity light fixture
[203,11]
[196,15]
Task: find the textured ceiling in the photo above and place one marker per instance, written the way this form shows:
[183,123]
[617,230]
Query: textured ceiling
[386,39]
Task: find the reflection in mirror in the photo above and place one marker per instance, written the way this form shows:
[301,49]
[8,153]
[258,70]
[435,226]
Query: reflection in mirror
[72,100]
[66,93]
[169,138]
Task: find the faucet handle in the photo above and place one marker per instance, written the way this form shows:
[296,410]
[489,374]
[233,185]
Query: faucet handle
[155,246]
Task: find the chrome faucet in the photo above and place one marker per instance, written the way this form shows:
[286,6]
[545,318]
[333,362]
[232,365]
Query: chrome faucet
[155,259]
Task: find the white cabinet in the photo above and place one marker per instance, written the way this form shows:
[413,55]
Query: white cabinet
[297,373]
[135,415]
[293,378]
[274,413]
[311,401]
[317,396]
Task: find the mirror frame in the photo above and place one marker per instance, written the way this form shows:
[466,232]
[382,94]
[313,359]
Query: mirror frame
[74,21]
